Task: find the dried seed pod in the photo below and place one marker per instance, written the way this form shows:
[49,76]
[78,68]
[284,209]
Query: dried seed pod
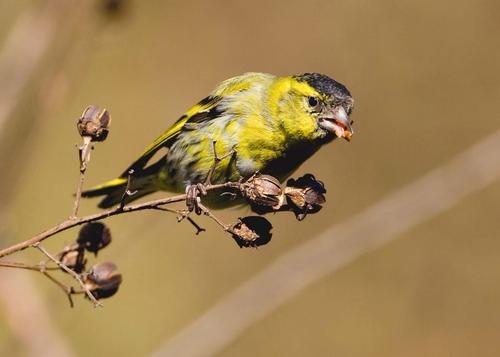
[94,237]
[252,231]
[263,190]
[94,123]
[75,260]
[103,280]
[305,195]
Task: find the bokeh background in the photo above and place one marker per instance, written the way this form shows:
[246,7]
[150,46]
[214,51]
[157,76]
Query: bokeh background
[425,77]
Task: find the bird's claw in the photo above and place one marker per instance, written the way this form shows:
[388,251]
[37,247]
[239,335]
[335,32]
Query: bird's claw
[193,193]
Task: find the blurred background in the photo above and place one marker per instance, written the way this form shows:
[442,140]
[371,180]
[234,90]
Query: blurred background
[425,77]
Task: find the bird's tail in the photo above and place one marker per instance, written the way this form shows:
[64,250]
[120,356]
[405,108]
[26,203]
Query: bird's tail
[114,190]
[142,183]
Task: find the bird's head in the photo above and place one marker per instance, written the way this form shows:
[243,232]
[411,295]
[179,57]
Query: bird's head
[314,106]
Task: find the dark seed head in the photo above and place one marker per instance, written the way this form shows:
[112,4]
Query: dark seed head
[264,190]
[305,195]
[94,123]
[103,280]
[94,237]
[252,231]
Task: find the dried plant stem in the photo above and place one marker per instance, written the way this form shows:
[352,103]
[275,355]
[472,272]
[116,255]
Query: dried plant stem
[68,290]
[181,215]
[69,271]
[70,223]
[84,156]
[18,265]
[198,228]
[78,195]
[42,268]
[128,192]
[208,213]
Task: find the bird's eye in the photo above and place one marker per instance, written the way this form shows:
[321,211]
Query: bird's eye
[313,101]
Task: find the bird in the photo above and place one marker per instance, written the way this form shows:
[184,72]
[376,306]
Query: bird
[254,122]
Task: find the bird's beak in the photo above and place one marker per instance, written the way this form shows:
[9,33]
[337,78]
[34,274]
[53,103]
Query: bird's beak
[337,123]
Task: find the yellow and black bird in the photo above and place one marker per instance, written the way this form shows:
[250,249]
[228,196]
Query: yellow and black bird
[270,124]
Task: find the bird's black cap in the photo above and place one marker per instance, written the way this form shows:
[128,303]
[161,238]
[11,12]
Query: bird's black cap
[324,84]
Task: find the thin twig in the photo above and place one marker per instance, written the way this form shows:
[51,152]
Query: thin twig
[42,268]
[208,213]
[84,157]
[70,223]
[65,250]
[169,210]
[18,265]
[68,290]
[127,192]
[78,195]
[69,271]
[199,229]
[60,254]
[181,215]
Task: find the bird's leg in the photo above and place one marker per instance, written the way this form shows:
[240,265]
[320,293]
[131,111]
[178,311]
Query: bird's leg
[193,191]
[193,197]
[217,160]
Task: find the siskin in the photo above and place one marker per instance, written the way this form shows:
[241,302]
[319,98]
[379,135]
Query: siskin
[255,122]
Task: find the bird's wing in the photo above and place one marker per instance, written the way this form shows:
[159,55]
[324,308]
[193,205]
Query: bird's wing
[204,110]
